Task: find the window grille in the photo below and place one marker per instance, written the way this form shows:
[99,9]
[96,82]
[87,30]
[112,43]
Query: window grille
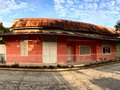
[106,49]
[84,50]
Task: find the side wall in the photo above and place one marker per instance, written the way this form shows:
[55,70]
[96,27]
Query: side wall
[118,49]
[99,51]
[62,49]
[96,49]
[76,49]
[34,49]
[92,45]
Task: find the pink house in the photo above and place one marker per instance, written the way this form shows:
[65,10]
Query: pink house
[51,41]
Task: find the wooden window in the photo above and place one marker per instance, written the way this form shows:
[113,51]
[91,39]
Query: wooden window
[84,50]
[24,46]
[106,49]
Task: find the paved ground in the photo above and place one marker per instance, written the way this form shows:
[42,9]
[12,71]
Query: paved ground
[104,78]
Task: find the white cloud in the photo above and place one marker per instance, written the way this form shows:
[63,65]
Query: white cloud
[9,6]
[102,5]
[92,11]
[70,2]
[6,24]
[59,1]
[96,0]
[58,7]
[0,18]
[88,0]
[112,3]
[117,1]
[6,6]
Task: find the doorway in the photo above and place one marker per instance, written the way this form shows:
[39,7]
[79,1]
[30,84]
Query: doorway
[49,49]
[69,53]
[2,53]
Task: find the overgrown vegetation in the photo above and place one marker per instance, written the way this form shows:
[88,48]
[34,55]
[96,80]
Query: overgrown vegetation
[16,65]
[102,62]
[117,26]
[93,64]
[3,60]
[3,29]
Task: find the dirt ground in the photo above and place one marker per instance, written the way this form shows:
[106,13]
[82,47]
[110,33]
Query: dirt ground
[100,78]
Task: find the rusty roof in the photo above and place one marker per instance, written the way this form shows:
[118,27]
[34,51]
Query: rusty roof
[61,24]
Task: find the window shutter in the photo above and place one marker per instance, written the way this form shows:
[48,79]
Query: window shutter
[24,46]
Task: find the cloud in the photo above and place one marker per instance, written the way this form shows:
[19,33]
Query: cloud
[88,0]
[117,1]
[59,1]
[12,9]
[96,0]
[0,18]
[6,6]
[92,11]
[6,24]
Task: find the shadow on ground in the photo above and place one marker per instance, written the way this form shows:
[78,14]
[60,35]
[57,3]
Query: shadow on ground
[107,83]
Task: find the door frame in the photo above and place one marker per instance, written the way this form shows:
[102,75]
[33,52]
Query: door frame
[69,53]
[3,46]
[49,41]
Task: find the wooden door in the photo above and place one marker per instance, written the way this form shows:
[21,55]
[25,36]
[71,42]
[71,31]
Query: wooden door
[69,53]
[49,52]
[118,49]
[2,51]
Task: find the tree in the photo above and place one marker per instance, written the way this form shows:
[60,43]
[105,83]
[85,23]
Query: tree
[3,29]
[117,26]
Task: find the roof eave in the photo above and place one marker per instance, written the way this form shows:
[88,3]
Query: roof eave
[98,37]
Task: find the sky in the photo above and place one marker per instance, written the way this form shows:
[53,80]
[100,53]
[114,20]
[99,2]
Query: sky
[99,12]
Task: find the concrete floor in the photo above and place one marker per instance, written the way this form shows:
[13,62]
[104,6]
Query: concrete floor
[100,78]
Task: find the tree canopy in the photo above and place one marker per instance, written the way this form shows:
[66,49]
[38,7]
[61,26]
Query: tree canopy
[117,26]
[3,29]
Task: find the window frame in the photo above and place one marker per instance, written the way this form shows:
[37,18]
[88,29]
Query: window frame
[23,38]
[84,53]
[103,46]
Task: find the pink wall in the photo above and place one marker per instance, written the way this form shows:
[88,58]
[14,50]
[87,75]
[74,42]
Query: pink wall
[13,50]
[96,49]
[86,42]
[100,55]
[62,49]
[35,49]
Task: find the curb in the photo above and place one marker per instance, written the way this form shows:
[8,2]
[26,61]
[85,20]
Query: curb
[40,70]
[76,67]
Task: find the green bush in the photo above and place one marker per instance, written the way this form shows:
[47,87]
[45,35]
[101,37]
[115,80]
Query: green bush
[51,67]
[3,60]
[16,65]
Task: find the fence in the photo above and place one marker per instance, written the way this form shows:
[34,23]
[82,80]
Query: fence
[57,59]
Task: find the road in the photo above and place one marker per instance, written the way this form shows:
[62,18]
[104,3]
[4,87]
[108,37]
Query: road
[100,78]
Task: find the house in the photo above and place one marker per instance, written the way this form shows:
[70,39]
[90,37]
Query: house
[49,41]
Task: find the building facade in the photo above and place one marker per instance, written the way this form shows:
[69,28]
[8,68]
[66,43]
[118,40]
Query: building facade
[55,41]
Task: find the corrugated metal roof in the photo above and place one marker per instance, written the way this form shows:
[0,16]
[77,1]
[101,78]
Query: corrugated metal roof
[61,24]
